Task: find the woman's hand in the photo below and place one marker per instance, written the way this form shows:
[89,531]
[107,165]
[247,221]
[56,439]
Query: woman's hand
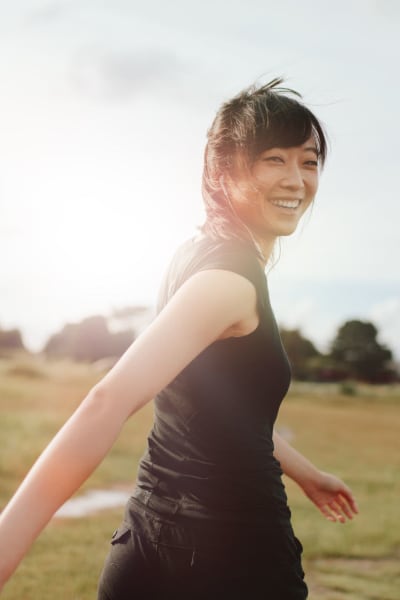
[332,497]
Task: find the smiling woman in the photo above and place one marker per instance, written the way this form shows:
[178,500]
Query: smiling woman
[283,184]
[261,166]
[209,516]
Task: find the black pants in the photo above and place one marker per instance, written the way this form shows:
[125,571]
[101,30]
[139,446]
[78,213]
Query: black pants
[158,557]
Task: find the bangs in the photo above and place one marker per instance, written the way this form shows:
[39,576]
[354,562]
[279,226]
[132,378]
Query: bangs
[290,124]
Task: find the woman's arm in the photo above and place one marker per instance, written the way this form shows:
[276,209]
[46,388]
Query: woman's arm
[207,305]
[332,497]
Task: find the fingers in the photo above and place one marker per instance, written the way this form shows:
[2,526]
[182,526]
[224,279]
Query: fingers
[333,498]
[348,505]
[336,511]
[352,503]
[345,497]
[329,513]
[339,509]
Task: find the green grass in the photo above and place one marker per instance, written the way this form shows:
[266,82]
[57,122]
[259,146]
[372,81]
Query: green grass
[355,436]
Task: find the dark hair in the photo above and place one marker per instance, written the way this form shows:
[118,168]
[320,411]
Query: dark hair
[256,119]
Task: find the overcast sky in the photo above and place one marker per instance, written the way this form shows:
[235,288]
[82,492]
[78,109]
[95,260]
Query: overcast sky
[104,107]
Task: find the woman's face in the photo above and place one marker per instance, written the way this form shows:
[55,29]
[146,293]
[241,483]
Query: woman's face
[281,186]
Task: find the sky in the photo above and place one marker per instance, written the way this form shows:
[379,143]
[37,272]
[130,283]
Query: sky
[104,109]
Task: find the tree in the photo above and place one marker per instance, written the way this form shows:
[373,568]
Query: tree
[88,340]
[357,348]
[299,350]
[11,339]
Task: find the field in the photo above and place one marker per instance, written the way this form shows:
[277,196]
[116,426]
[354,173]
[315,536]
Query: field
[355,436]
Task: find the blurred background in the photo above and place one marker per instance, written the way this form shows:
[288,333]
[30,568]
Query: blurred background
[104,108]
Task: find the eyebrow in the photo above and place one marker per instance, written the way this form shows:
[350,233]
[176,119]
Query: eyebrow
[312,149]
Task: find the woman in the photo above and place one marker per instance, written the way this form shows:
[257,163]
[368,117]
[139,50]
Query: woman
[209,516]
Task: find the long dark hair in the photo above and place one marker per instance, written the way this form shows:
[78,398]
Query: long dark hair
[257,119]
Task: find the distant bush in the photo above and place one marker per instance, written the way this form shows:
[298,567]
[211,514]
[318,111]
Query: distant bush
[11,339]
[323,368]
[90,340]
[348,388]
[357,349]
[355,355]
[26,370]
[299,350]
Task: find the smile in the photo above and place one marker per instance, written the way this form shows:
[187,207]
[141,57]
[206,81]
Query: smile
[286,203]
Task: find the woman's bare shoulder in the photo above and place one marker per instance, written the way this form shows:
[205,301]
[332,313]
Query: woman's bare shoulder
[203,309]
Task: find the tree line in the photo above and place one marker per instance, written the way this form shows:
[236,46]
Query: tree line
[354,353]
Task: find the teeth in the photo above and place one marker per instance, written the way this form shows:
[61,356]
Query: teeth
[286,203]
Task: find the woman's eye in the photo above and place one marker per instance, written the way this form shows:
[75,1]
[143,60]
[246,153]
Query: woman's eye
[312,163]
[273,159]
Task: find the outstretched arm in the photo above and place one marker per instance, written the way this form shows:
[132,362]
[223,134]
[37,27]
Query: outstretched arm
[203,309]
[331,496]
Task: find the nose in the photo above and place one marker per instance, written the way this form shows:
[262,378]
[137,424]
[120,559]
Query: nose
[292,178]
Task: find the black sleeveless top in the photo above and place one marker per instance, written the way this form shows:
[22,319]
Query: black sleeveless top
[210,451]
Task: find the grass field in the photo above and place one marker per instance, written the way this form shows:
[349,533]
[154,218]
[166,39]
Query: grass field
[355,436]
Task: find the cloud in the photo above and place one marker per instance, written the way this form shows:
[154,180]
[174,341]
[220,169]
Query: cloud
[109,75]
[299,313]
[151,74]
[48,12]
[9,230]
[387,9]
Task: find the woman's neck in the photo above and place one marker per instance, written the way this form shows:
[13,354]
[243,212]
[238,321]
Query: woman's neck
[265,247]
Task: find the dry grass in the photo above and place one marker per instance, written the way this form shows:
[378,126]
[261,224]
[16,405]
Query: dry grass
[353,436]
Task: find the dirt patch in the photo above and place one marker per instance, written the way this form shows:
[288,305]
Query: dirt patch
[358,578]
[92,502]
